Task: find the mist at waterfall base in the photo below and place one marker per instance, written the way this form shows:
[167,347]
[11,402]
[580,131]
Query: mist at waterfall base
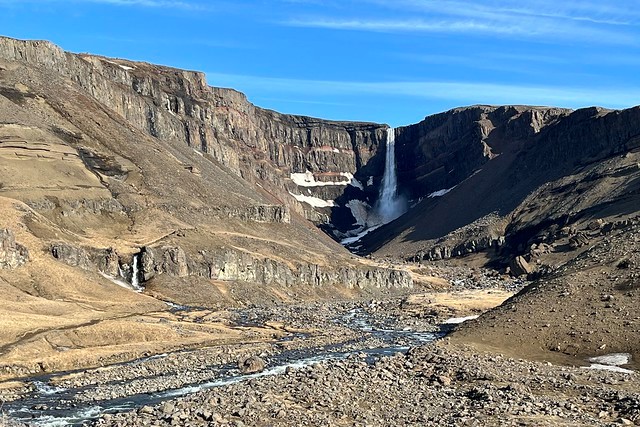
[390,204]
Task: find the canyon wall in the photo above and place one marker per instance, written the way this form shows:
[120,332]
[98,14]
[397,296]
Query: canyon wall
[261,146]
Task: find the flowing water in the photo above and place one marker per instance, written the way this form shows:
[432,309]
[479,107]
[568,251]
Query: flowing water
[390,205]
[135,273]
[54,406]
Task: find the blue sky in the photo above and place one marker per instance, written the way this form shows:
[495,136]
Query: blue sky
[389,61]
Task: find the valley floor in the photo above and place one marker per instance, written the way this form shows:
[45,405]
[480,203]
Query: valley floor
[345,363]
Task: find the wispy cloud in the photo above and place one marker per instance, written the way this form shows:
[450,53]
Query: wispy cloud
[158,4]
[409,25]
[542,19]
[532,28]
[619,13]
[463,92]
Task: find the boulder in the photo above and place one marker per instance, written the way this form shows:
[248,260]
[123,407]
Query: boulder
[520,267]
[251,365]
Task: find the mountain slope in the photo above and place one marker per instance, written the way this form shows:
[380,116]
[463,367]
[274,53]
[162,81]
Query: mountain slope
[516,175]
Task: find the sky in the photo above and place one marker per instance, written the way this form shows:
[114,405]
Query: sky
[385,61]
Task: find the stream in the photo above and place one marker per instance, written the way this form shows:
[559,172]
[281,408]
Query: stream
[52,406]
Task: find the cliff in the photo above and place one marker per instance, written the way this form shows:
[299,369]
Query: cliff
[501,179]
[261,146]
[127,160]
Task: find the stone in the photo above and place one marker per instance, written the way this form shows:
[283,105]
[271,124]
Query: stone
[520,267]
[251,365]
[579,240]
[596,225]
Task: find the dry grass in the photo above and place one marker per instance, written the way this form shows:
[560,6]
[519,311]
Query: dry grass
[462,303]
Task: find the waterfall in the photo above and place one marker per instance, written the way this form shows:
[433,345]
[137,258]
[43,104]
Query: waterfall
[135,273]
[389,205]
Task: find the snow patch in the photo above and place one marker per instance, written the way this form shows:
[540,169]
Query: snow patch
[440,193]
[307,179]
[352,181]
[350,240]
[613,359]
[600,367]
[610,362]
[314,201]
[458,320]
[335,150]
[124,67]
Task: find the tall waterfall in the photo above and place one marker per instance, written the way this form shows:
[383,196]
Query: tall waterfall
[389,205]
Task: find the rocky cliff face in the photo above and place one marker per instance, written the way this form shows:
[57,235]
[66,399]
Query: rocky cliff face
[505,179]
[225,264]
[161,169]
[514,165]
[12,254]
[445,149]
[259,145]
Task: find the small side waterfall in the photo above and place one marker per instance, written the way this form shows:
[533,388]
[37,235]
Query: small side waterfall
[389,205]
[135,273]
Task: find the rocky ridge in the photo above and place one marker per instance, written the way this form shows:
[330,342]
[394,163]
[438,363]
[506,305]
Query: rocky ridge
[259,145]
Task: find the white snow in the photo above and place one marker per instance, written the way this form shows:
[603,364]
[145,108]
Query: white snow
[335,150]
[359,236]
[610,362]
[613,359]
[458,320]
[307,179]
[314,201]
[198,152]
[440,193]
[608,368]
[370,181]
[124,67]
[352,181]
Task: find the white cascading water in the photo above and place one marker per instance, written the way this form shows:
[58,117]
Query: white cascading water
[389,206]
[135,282]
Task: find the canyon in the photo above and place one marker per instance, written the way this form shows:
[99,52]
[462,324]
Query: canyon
[147,214]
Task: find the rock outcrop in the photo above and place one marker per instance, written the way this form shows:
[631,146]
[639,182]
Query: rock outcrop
[12,254]
[228,265]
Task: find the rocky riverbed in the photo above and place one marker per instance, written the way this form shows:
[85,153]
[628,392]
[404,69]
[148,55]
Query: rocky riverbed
[375,362]
[302,335]
[436,385]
